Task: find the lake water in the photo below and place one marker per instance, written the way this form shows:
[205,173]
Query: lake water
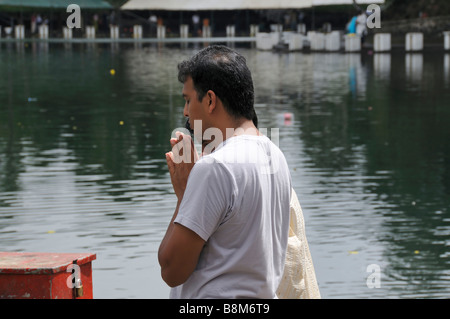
[82,166]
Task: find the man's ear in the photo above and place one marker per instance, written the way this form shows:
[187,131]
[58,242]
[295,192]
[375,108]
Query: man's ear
[212,100]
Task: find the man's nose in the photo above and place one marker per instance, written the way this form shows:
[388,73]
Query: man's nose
[185,111]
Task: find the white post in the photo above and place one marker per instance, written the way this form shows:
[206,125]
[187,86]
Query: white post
[90,32]
[184,31]
[326,27]
[161,31]
[137,31]
[19,31]
[230,31]
[382,42]
[43,31]
[254,29]
[296,42]
[447,40]
[276,28]
[114,32]
[67,32]
[264,41]
[301,28]
[206,32]
[317,41]
[333,41]
[352,43]
[414,41]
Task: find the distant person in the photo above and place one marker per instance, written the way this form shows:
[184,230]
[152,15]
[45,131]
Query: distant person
[112,18]
[287,20]
[351,26]
[206,28]
[294,21]
[153,21]
[196,24]
[33,24]
[38,20]
[301,17]
[361,25]
[95,20]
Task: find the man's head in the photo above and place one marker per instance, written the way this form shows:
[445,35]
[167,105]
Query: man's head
[223,71]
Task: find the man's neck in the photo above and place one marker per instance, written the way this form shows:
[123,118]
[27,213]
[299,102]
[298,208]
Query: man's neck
[242,127]
[231,129]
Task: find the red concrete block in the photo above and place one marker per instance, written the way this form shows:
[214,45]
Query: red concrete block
[46,275]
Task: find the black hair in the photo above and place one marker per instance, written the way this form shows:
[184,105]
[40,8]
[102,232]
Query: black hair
[224,71]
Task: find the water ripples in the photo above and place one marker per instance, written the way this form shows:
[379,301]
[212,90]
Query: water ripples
[75,180]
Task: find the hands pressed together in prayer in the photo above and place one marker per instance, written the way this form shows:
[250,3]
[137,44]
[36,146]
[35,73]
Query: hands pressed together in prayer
[180,161]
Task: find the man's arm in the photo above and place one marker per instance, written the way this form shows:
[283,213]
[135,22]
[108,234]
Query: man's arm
[179,252]
[180,248]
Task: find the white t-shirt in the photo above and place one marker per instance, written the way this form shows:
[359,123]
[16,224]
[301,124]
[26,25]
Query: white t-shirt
[237,200]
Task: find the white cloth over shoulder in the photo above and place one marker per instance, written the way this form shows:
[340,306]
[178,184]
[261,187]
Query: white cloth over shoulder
[299,278]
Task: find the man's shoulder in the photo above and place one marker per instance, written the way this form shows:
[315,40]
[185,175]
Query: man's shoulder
[209,165]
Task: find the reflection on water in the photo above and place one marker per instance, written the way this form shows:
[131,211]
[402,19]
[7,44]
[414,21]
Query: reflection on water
[82,160]
[447,69]
[382,66]
[414,66]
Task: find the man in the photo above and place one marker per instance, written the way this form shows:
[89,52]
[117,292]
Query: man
[196,23]
[229,231]
[361,25]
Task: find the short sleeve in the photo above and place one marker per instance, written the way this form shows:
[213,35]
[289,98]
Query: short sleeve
[207,199]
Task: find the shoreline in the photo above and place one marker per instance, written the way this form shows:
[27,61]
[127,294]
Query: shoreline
[397,46]
[130,40]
